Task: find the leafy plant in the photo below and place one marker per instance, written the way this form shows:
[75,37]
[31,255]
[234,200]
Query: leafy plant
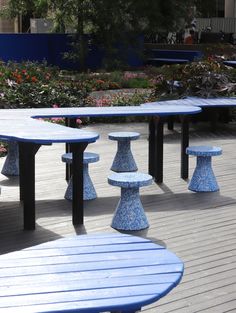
[3,149]
[203,79]
[33,84]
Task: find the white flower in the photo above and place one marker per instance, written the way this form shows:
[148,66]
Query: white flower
[11,83]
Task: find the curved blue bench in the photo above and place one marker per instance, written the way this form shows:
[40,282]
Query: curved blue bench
[203,179]
[129,214]
[89,191]
[124,160]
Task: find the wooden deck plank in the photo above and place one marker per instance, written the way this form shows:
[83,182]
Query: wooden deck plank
[199,228]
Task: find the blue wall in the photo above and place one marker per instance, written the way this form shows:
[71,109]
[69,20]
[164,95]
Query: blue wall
[50,47]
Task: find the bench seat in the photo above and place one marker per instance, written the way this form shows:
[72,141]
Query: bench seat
[162,61]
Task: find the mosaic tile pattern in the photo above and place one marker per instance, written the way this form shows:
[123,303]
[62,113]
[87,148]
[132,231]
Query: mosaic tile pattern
[11,164]
[89,191]
[124,160]
[129,214]
[203,179]
[204,150]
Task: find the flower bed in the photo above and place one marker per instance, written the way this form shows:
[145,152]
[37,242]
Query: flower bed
[37,85]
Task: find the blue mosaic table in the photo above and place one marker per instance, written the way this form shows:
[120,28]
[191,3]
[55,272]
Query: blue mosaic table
[88,274]
[156,126]
[157,111]
[22,126]
[30,134]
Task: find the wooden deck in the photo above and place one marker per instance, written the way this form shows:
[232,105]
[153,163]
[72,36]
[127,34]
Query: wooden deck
[199,228]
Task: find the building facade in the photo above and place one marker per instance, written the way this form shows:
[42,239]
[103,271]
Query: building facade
[230,8]
[7,25]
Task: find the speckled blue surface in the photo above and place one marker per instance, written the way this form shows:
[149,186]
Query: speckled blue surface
[129,214]
[11,164]
[124,160]
[195,101]
[204,150]
[89,191]
[17,125]
[130,180]
[123,136]
[89,157]
[203,179]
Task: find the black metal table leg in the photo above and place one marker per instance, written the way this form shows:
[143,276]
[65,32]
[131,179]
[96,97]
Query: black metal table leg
[170,122]
[159,150]
[77,150]
[27,151]
[214,116]
[155,166]
[151,147]
[69,122]
[184,145]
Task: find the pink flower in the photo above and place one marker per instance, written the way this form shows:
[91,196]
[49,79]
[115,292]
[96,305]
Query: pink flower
[57,119]
[129,75]
[3,149]
[55,105]
[103,102]
[78,121]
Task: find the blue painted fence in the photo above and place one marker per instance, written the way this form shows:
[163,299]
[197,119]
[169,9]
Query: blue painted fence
[51,47]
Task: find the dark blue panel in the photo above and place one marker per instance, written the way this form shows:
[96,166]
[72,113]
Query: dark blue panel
[19,47]
[51,47]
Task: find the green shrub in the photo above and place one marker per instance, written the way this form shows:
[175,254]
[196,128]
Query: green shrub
[31,84]
[3,149]
[203,79]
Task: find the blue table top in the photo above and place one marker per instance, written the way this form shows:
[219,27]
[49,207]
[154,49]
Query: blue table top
[196,101]
[27,130]
[173,108]
[88,273]
[169,60]
[21,124]
[230,63]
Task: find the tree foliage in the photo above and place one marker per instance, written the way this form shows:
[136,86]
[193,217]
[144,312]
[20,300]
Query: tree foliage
[109,21]
[105,15]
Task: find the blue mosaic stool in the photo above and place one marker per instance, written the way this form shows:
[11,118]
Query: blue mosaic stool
[89,190]
[11,164]
[203,179]
[129,214]
[124,160]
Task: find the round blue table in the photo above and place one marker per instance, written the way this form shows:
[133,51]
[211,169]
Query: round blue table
[87,274]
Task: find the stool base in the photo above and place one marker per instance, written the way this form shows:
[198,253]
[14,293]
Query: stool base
[129,214]
[124,160]
[11,164]
[203,179]
[89,192]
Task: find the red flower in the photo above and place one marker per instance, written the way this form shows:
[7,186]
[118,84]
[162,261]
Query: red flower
[34,79]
